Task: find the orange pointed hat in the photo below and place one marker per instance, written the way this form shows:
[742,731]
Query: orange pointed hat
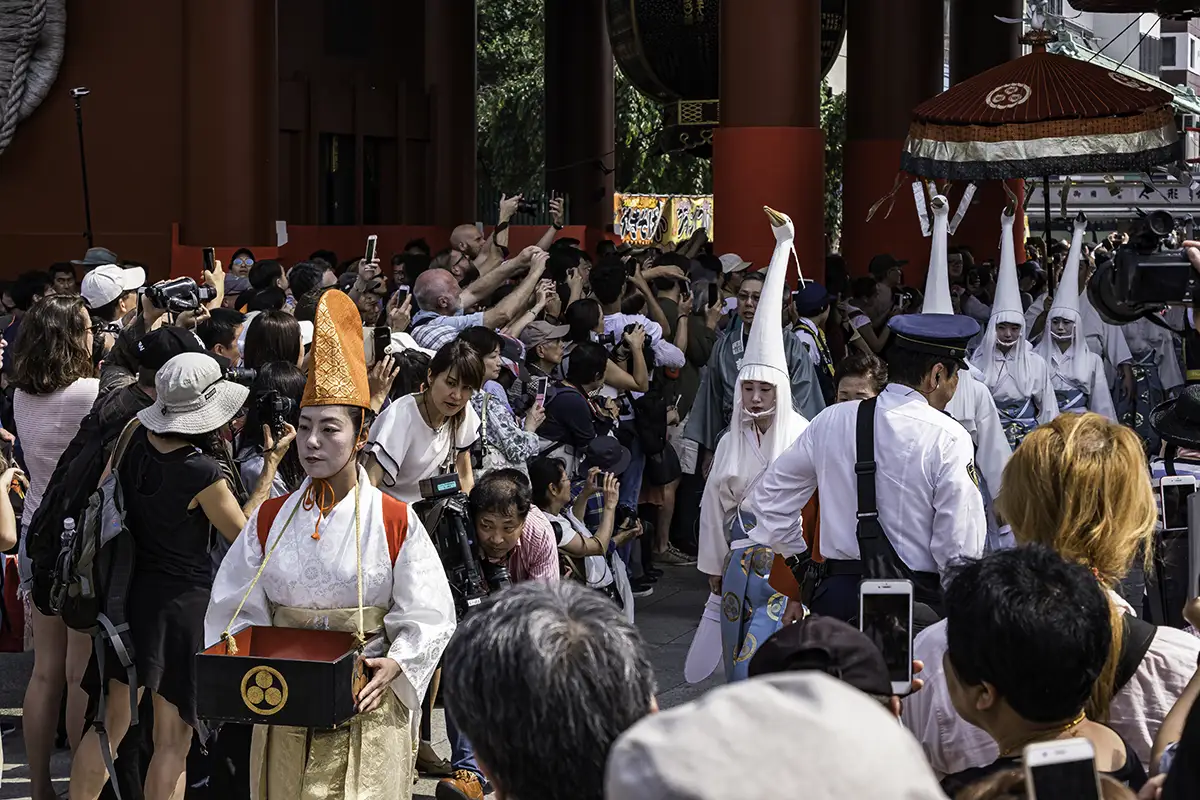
[337,370]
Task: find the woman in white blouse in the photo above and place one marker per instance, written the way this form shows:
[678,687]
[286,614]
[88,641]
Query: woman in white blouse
[429,433]
[1078,485]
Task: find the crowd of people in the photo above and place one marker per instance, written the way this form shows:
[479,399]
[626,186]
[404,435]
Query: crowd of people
[273,437]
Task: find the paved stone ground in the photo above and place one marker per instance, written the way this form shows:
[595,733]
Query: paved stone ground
[667,619]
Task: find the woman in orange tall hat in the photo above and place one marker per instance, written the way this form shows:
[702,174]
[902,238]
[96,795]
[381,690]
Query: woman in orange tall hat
[338,554]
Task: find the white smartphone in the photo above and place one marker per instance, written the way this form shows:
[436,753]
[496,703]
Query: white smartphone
[372,243]
[1060,769]
[542,383]
[1175,491]
[885,612]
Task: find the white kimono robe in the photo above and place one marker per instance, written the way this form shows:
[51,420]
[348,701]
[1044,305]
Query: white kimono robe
[1007,391]
[1062,368]
[304,572]
[973,406]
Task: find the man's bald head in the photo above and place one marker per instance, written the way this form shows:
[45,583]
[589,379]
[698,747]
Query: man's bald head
[437,290]
[467,239]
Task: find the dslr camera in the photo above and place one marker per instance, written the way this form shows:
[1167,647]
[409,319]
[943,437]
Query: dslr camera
[274,409]
[179,295]
[1147,273]
[243,375]
[444,511]
[526,206]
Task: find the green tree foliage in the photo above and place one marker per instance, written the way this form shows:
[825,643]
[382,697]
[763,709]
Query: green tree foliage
[833,121]
[511,114]
[511,117]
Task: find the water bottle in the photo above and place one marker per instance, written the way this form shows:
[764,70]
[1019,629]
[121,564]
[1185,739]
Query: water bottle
[68,532]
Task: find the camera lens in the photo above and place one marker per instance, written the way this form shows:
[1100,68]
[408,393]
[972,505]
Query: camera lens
[1160,223]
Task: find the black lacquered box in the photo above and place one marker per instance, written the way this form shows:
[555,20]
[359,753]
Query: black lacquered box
[282,676]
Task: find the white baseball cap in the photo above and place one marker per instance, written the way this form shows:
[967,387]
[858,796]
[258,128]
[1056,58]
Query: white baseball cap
[732,262]
[108,282]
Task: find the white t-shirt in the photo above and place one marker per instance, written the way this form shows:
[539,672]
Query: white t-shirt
[409,450]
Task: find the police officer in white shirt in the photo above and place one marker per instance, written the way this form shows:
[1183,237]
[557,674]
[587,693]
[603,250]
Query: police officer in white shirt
[896,476]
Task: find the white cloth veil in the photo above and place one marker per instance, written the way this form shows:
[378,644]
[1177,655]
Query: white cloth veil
[1006,309]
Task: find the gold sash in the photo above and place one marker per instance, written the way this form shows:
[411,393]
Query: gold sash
[364,758]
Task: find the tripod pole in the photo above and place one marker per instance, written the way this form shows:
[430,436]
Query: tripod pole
[87,201]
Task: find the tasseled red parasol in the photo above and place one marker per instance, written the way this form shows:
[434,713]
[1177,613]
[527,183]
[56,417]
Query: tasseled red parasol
[1165,8]
[1042,114]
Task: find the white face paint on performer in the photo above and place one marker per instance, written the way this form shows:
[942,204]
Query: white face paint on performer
[1062,330]
[1007,334]
[758,402]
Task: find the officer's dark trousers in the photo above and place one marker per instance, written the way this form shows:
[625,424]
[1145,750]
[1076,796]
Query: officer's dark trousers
[837,597]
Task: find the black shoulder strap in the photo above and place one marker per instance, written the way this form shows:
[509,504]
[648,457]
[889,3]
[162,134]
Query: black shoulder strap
[864,466]
[1136,641]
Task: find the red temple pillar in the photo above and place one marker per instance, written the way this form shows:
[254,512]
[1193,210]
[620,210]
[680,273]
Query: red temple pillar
[231,123]
[895,63]
[450,34]
[978,42]
[580,132]
[769,148]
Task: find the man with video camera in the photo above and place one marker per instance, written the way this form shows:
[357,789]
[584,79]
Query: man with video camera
[514,543]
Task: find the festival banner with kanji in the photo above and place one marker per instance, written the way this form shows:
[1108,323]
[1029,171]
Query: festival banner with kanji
[655,219]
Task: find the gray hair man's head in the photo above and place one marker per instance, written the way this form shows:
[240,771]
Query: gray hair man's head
[542,681]
[437,290]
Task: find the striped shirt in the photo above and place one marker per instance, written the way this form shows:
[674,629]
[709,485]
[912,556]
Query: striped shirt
[535,557]
[432,331]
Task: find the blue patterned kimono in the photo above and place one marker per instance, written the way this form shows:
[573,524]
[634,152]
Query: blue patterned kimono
[750,609]
[1019,418]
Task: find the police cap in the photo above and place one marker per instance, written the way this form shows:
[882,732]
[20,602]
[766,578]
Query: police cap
[934,334]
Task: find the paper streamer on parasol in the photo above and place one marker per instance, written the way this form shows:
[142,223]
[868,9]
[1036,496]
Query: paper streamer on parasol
[1042,114]
[1165,8]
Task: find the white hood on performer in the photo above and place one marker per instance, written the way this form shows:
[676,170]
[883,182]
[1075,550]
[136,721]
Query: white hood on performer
[937,282]
[1006,308]
[765,361]
[1066,306]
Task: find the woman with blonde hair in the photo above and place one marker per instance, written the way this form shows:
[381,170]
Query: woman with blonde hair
[1079,486]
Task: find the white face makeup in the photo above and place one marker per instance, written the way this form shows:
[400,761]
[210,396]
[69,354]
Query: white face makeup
[1007,334]
[326,440]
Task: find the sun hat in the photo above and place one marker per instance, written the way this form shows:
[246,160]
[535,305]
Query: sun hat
[95,256]
[108,282]
[732,741]
[732,262]
[1177,420]
[193,397]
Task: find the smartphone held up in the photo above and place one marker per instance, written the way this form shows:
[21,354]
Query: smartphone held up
[885,615]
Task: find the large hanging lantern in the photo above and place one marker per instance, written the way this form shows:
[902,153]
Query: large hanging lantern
[670,51]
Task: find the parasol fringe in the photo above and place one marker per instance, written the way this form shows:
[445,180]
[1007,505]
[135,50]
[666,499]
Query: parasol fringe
[889,196]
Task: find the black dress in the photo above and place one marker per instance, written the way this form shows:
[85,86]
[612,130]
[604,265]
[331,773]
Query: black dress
[173,570]
[1131,773]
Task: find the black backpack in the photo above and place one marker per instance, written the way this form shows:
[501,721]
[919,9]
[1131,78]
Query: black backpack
[75,477]
[89,588]
[650,421]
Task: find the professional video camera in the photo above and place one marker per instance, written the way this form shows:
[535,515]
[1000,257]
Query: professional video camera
[1149,272]
[180,294]
[444,512]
